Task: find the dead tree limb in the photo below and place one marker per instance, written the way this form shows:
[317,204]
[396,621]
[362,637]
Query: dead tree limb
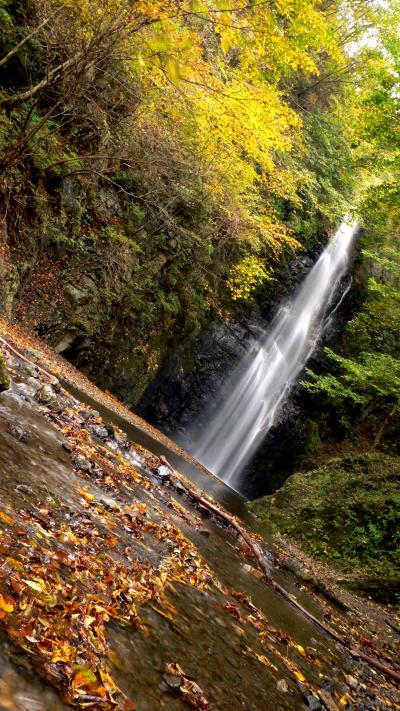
[52,378]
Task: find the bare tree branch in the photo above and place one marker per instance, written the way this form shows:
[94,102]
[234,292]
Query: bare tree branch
[26,39]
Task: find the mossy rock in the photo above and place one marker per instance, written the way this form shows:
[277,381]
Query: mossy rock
[4,379]
[347,512]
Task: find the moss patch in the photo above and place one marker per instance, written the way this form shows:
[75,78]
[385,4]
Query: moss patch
[347,512]
[4,379]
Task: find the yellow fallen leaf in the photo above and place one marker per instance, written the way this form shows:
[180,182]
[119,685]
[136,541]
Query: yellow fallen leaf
[89,621]
[15,564]
[300,649]
[38,586]
[62,654]
[344,700]
[299,676]
[5,606]
[85,494]
[6,518]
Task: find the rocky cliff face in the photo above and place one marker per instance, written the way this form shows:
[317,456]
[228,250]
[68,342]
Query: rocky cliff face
[76,268]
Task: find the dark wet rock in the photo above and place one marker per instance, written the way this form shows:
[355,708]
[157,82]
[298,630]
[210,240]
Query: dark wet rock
[81,462]
[24,489]
[312,703]
[19,433]
[66,446]
[100,432]
[173,682]
[4,379]
[47,396]
[180,395]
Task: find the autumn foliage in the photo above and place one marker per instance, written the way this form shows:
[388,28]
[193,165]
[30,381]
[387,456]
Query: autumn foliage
[200,83]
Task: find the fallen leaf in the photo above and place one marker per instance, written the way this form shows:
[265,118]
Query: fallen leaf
[5,606]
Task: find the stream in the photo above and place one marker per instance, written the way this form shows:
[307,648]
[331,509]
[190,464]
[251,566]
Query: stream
[235,639]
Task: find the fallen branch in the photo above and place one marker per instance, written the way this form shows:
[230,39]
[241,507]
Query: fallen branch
[48,375]
[256,549]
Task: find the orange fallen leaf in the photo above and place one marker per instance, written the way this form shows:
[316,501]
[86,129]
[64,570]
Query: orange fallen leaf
[5,606]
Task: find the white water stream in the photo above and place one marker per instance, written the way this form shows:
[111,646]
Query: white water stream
[261,382]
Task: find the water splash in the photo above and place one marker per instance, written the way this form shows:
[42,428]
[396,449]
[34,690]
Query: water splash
[261,382]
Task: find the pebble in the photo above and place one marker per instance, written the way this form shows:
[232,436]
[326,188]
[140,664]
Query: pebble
[87,414]
[33,383]
[30,370]
[180,489]
[163,472]
[282,686]
[24,390]
[351,681]
[204,532]
[327,700]
[34,353]
[328,686]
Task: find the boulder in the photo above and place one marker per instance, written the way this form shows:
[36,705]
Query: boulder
[47,396]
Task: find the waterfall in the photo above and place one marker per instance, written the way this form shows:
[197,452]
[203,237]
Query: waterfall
[259,385]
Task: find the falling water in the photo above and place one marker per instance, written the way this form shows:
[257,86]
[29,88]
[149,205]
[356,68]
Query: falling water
[261,382]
